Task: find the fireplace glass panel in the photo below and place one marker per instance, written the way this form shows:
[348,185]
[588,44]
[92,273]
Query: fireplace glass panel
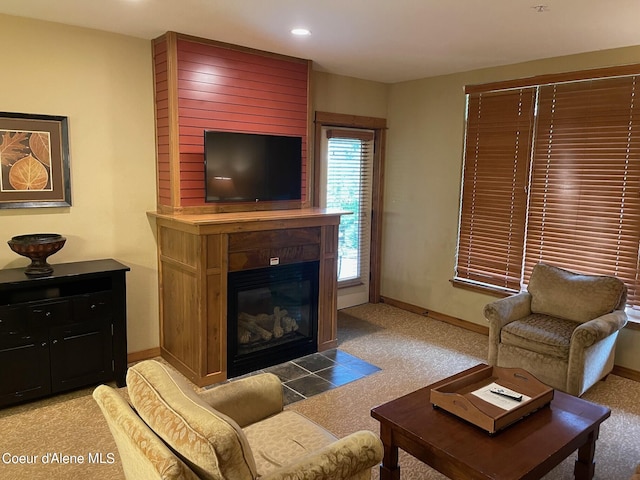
[272,316]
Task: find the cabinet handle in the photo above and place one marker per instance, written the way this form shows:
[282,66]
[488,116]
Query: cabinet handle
[93,306]
[54,341]
[47,314]
[44,344]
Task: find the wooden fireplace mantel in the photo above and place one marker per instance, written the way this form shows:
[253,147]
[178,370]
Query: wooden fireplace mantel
[195,254]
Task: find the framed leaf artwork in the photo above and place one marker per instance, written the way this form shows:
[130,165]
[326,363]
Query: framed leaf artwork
[34,158]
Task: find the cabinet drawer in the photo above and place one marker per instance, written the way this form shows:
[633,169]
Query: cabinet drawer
[93,306]
[49,314]
[12,320]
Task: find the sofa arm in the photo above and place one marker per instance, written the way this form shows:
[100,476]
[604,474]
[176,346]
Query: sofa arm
[599,328]
[508,309]
[247,400]
[339,460]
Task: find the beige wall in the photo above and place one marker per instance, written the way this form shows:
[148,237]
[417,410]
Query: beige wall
[348,95]
[424,161]
[103,84]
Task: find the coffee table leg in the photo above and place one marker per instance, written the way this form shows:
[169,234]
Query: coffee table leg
[585,466]
[389,470]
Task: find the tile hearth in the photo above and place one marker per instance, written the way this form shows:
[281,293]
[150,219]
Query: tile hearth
[319,372]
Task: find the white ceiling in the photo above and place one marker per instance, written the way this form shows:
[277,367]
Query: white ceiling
[383,40]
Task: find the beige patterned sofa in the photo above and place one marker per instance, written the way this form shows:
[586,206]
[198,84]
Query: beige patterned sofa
[236,431]
[563,329]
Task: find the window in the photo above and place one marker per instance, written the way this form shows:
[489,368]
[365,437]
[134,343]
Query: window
[552,174]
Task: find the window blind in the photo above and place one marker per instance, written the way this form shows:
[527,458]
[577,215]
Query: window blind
[584,211]
[578,196]
[349,180]
[494,198]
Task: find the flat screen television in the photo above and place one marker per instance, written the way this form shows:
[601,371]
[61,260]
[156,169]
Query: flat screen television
[248,167]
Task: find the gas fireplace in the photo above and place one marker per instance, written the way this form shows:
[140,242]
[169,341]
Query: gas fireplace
[272,316]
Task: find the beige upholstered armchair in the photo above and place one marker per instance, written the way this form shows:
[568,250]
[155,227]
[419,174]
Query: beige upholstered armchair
[236,431]
[563,330]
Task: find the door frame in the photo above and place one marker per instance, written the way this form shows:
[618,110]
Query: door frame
[379,126]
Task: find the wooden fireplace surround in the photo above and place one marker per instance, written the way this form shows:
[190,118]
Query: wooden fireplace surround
[196,252]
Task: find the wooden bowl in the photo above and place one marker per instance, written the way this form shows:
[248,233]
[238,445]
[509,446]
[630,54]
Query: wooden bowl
[37,247]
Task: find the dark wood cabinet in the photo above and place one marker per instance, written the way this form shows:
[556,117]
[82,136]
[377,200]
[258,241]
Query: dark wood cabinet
[63,331]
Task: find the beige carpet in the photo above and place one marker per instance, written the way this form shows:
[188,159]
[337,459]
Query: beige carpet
[411,350]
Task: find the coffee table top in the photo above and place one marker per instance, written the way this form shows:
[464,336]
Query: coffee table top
[527,449]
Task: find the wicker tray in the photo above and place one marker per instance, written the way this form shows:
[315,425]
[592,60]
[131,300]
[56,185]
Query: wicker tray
[471,398]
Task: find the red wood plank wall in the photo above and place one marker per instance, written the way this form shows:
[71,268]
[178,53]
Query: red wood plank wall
[222,88]
[162,123]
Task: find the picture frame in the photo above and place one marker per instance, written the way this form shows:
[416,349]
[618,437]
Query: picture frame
[34,161]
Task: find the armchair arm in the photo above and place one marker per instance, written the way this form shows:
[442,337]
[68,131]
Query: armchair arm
[340,460]
[247,400]
[506,310]
[599,328]
[502,312]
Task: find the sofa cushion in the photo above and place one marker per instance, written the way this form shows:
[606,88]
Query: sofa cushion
[540,333]
[564,294]
[211,443]
[281,439]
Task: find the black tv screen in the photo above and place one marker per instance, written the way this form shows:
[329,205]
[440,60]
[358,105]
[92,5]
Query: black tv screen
[248,167]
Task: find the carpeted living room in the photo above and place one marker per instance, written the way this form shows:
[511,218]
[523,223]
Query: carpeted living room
[410,350]
[401,243]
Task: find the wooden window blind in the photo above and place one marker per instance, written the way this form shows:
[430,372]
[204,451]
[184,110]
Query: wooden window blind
[577,197]
[584,211]
[493,205]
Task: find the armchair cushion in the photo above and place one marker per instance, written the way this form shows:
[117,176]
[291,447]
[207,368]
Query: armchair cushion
[540,333]
[281,439]
[572,296]
[211,443]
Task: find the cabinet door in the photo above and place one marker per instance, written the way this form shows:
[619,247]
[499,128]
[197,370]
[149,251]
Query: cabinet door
[81,354]
[24,363]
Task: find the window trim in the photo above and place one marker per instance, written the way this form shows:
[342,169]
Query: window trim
[596,73]
[379,125]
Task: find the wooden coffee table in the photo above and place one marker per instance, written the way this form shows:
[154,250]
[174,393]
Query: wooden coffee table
[528,449]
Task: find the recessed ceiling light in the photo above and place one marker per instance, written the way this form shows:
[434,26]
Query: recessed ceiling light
[301,31]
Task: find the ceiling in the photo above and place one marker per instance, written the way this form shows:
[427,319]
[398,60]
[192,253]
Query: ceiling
[387,41]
